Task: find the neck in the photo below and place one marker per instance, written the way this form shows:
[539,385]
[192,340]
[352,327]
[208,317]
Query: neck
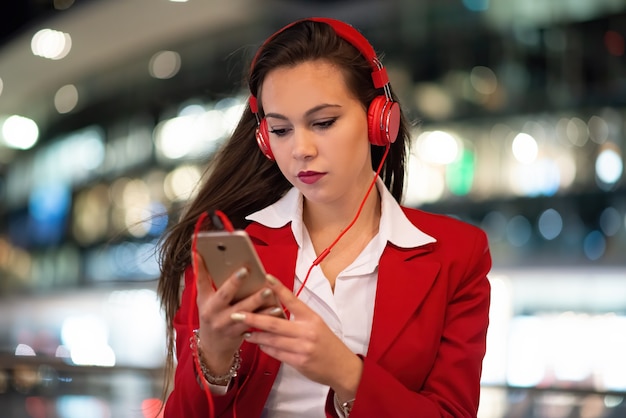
[338,240]
[326,222]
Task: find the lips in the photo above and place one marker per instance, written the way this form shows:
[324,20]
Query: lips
[310,177]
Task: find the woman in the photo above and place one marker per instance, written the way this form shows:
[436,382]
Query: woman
[388,306]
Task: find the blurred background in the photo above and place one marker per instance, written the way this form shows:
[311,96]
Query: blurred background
[109,110]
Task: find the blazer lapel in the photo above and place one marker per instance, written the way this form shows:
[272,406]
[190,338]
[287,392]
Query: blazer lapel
[404,279]
[278,251]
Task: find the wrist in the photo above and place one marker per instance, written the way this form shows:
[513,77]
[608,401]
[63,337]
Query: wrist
[220,378]
[348,381]
[217,358]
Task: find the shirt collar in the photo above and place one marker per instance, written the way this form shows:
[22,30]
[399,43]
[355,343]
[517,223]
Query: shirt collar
[394,225]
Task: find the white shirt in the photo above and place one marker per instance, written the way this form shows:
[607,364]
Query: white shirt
[348,311]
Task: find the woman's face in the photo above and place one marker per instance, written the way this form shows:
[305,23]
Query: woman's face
[318,132]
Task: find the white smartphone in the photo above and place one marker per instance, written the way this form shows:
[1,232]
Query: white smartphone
[226,252]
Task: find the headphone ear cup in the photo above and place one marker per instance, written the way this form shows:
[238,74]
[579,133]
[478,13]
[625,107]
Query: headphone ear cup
[383,121]
[263,139]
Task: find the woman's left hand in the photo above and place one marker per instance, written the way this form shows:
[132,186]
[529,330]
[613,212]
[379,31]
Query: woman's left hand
[305,342]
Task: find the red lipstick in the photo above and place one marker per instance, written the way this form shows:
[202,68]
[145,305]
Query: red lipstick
[310,177]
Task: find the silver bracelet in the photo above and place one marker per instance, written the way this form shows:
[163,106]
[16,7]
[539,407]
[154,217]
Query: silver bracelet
[345,407]
[223,380]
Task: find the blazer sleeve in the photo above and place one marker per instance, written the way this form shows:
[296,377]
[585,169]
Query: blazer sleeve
[452,384]
[188,399]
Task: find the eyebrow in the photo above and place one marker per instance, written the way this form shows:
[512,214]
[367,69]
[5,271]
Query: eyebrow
[307,113]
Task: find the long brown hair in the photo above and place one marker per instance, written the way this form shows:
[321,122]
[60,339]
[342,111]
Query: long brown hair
[240,180]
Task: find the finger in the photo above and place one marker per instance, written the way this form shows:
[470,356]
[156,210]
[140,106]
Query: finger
[277,342]
[286,296]
[267,323]
[203,279]
[263,301]
[226,292]
[275,311]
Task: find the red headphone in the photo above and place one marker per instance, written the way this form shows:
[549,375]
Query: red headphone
[383,114]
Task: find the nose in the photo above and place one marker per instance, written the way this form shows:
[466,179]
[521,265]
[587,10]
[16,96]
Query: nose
[303,144]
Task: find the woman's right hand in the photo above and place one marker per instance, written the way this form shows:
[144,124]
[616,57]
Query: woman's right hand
[220,336]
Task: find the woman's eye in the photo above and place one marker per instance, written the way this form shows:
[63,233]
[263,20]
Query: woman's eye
[325,123]
[278,132]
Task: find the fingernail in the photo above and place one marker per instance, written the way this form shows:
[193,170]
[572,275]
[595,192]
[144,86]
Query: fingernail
[247,335]
[271,279]
[266,292]
[242,273]
[276,311]
[237,316]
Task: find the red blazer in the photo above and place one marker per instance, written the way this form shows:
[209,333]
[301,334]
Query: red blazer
[427,341]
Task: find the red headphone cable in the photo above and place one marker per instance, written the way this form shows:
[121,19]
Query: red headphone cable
[226,224]
[325,253]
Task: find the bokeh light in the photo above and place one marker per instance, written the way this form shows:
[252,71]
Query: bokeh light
[483,80]
[181,183]
[609,167]
[577,131]
[610,221]
[164,64]
[594,245]
[524,148]
[460,173]
[437,147]
[425,183]
[51,44]
[66,98]
[614,42]
[518,231]
[598,129]
[550,224]
[91,219]
[494,223]
[20,132]
[433,101]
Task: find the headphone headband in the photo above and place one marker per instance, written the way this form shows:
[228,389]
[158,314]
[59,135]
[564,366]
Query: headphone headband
[349,34]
